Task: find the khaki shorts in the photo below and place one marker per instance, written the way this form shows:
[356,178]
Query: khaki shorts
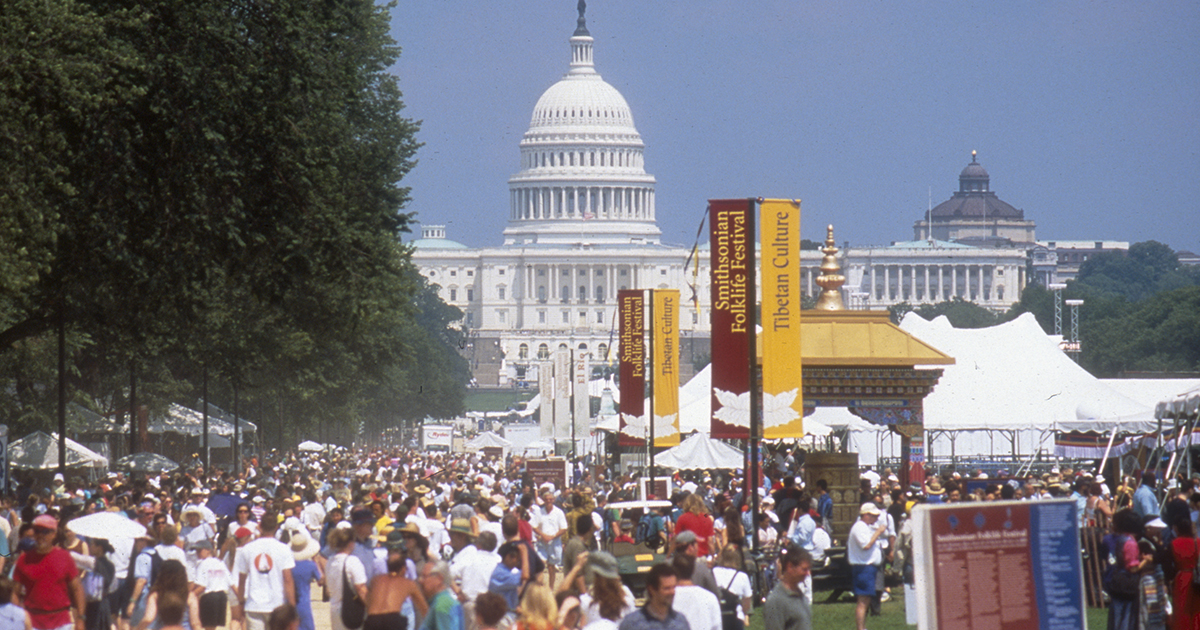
[256,620]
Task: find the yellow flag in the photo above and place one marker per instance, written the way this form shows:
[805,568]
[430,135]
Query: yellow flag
[665,340]
[783,403]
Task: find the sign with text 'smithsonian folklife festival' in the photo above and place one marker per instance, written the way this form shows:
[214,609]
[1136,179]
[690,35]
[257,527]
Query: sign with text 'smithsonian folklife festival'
[782,403]
[731,228]
[631,314]
[665,365]
[1005,565]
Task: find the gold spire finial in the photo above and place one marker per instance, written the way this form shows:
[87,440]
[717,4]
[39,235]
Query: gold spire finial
[830,280]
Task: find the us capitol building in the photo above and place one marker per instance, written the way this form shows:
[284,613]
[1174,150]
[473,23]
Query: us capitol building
[582,226]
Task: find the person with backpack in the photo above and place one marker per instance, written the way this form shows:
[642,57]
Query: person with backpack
[651,530]
[703,609]
[346,580]
[736,594]
[1120,579]
[148,563]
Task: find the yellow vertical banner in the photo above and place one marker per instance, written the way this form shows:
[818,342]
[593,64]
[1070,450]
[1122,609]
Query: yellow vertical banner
[783,404]
[665,340]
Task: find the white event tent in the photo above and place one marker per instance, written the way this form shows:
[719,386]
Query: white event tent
[1012,381]
[39,451]
[698,452]
[487,439]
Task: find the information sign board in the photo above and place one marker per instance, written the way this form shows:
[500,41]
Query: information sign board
[551,469]
[1006,565]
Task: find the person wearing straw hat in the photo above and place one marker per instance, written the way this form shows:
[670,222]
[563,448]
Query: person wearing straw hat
[461,541]
[307,570]
[194,530]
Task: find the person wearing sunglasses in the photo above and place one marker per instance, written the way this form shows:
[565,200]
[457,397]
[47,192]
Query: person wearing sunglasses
[241,519]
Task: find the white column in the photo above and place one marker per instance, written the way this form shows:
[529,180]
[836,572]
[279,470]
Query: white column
[887,282]
[928,293]
[941,289]
[953,281]
[873,291]
[912,290]
[979,291]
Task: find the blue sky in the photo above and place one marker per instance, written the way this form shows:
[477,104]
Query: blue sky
[1086,114]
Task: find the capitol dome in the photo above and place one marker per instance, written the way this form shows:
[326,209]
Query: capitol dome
[582,178]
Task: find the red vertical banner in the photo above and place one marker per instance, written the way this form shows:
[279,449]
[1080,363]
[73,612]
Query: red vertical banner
[631,312]
[731,228]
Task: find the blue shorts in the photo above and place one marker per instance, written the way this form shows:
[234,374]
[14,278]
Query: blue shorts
[862,579]
[551,552]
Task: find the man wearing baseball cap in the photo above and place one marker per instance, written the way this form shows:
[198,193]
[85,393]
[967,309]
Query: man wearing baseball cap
[865,554]
[50,580]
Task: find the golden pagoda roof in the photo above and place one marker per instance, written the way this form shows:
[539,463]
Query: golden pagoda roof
[862,338]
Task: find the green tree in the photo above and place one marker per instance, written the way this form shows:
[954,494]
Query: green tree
[1038,300]
[1161,333]
[222,199]
[961,313]
[1147,268]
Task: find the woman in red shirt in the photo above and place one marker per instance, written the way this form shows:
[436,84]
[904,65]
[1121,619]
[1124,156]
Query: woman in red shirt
[695,519]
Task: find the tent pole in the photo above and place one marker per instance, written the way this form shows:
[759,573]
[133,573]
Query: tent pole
[1107,450]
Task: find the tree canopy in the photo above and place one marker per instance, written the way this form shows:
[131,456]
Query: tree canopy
[211,185]
[1135,311]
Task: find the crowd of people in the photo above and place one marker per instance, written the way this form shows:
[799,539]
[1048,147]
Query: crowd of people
[392,540]
[399,540]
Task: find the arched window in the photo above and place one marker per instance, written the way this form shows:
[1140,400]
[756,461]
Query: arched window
[582,347]
[523,351]
[563,346]
[582,293]
[541,293]
[565,293]
[543,351]
[602,352]
[600,293]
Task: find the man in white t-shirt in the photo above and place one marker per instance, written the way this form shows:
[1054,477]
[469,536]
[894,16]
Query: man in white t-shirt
[702,610]
[214,582]
[549,524]
[864,551]
[264,569]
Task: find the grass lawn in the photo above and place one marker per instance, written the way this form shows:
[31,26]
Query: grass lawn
[840,616]
[495,399]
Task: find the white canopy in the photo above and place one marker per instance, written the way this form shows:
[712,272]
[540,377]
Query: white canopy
[1183,406]
[699,451]
[180,419]
[309,446]
[488,439]
[39,451]
[1014,377]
